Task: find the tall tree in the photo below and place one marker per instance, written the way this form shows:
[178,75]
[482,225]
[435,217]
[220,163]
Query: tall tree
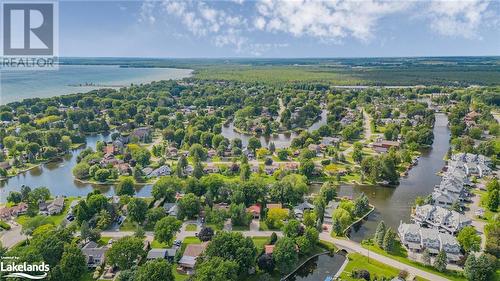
[125,252]
[380,233]
[216,269]
[155,270]
[233,246]
[285,254]
[166,228]
[440,262]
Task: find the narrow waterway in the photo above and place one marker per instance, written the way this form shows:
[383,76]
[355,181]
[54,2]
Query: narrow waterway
[58,178]
[393,204]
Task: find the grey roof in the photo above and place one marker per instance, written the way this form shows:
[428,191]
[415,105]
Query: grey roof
[156,254]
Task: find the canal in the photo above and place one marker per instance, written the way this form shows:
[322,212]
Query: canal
[392,203]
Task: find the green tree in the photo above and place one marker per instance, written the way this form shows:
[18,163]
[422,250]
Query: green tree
[125,251]
[73,263]
[493,200]
[426,257]
[468,239]
[153,215]
[293,229]
[166,187]
[155,270]
[328,191]
[216,269]
[137,208]
[189,206]
[253,144]
[166,228]
[440,262]
[125,186]
[14,197]
[285,255]
[389,242]
[380,234]
[233,246]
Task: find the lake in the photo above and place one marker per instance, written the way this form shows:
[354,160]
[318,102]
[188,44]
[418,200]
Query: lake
[18,85]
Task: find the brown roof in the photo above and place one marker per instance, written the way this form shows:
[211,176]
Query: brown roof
[194,250]
[274,205]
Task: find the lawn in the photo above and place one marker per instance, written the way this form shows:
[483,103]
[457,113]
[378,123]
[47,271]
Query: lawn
[55,220]
[241,227]
[401,256]
[259,242]
[157,245]
[104,240]
[191,227]
[376,269]
[189,240]
[128,225]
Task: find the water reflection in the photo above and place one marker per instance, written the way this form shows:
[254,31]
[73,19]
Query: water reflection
[393,204]
[318,268]
[281,140]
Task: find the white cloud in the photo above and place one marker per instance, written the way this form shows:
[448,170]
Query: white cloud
[227,24]
[330,20]
[459,18]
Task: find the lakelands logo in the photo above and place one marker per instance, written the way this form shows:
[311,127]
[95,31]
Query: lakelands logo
[23,270]
[30,34]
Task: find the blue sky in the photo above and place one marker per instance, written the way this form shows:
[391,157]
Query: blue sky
[269,28]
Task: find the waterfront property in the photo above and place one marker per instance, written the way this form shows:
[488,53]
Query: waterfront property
[440,218]
[417,239]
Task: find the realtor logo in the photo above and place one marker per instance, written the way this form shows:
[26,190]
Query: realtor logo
[30,34]
[28,29]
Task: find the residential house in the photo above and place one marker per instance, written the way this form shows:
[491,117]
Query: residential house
[301,208]
[172,209]
[142,133]
[56,206]
[255,211]
[382,146]
[167,254]
[94,254]
[440,218]
[191,253]
[409,234]
[164,170]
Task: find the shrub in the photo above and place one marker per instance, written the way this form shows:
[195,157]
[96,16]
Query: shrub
[361,274]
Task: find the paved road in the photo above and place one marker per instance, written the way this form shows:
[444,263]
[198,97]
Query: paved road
[367,132]
[341,243]
[478,225]
[356,247]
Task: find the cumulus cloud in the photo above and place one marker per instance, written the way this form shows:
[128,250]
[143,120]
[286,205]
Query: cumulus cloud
[332,20]
[236,23]
[459,18]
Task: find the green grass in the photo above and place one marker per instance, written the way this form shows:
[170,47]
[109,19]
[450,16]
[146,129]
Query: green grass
[104,240]
[189,240]
[157,245]
[376,269]
[55,220]
[401,256]
[259,242]
[191,227]
[128,225]
[241,228]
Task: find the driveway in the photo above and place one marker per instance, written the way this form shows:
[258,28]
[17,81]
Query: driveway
[13,236]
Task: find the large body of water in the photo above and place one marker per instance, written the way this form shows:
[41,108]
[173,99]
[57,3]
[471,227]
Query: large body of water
[17,85]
